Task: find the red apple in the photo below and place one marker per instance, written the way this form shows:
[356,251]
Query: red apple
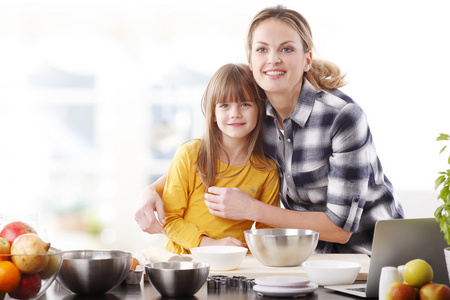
[434,291]
[29,286]
[5,248]
[401,291]
[12,230]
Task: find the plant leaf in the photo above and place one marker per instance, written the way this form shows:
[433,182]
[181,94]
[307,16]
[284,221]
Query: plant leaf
[438,213]
[442,149]
[443,137]
[439,181]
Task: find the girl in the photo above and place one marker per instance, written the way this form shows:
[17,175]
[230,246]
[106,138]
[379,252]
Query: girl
[230,154]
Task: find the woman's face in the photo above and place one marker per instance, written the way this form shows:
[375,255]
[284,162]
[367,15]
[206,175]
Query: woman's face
[277,58]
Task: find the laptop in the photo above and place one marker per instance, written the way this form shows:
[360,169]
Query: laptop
[395,242]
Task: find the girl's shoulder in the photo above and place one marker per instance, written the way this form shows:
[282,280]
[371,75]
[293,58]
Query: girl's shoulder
[190,146]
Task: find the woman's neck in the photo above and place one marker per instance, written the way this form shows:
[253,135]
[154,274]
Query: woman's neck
[283,103]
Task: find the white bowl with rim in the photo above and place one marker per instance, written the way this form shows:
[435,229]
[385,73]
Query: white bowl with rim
[331,272]
[220,258]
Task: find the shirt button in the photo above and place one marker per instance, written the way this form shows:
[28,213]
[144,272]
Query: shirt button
[288,140]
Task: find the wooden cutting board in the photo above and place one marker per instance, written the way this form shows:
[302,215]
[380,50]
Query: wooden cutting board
[252,268]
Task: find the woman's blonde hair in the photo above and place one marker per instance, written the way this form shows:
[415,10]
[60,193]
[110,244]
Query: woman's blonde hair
[231,83]
[324,75]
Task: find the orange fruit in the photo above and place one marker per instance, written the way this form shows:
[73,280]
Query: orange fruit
[9,276]
[134,264]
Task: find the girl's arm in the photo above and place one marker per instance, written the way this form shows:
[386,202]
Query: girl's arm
[149,203]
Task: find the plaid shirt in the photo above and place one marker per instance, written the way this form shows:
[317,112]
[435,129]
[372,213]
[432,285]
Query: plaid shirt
[327,162]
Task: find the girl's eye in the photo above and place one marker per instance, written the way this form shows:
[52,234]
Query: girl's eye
[246,104]
[223,105]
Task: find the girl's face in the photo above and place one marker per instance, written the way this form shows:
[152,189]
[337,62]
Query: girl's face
[277,57]
[236,119]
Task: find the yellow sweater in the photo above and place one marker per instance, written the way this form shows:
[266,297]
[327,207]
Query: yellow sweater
[188,218]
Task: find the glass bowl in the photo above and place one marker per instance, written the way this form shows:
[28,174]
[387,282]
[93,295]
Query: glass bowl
[30,285]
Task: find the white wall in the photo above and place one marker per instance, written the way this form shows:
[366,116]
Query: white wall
[395,54]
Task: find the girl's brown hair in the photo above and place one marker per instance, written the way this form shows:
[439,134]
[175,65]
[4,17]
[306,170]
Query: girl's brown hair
[231,83]
[323,75]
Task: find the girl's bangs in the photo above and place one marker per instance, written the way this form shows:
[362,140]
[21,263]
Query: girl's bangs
[235,91]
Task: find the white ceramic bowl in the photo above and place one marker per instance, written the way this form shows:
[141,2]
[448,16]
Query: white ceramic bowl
[220,258]
[331,272]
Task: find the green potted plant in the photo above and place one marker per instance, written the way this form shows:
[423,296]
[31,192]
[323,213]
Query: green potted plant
[442,213]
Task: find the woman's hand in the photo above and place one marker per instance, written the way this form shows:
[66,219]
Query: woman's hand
[228,241]
[229,203]
[149,203]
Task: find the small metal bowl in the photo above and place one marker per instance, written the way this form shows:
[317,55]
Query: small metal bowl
[93,272]
[281,247]
[177,278]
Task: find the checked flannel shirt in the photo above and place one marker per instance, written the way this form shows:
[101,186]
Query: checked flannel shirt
[327,162]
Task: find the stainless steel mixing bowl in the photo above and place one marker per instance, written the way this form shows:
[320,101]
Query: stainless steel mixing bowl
[93,272]
[177,278]
[281,247]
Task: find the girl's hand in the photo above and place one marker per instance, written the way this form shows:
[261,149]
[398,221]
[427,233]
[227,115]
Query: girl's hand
[228,241]
[229,203]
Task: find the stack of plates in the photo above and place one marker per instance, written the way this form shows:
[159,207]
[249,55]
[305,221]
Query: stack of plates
[284,286]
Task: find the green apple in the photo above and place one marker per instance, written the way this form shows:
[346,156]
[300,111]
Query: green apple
[417,272]
[52,265]
[5,248]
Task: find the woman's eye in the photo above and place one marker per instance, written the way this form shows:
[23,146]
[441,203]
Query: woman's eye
[287,49]
[261,50]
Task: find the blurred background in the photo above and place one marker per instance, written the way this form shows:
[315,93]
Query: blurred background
[95,97]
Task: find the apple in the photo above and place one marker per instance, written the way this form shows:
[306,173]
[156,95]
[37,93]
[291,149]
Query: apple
[52,267]
[14,229]
[417,272]
[4,249]
[401,291]
[434,291]
[29,286]
[29,253]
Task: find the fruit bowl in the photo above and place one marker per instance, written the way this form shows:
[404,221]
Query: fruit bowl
[31,285]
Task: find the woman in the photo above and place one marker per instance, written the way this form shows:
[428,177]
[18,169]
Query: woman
[331,178]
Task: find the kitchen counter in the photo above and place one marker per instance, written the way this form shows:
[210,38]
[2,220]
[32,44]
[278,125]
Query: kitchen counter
[145,291]
[250,268]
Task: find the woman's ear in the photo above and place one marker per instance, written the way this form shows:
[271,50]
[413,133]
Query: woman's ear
[308,62]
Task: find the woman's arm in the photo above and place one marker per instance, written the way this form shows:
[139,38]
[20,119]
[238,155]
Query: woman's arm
[237,205]
[149,203]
